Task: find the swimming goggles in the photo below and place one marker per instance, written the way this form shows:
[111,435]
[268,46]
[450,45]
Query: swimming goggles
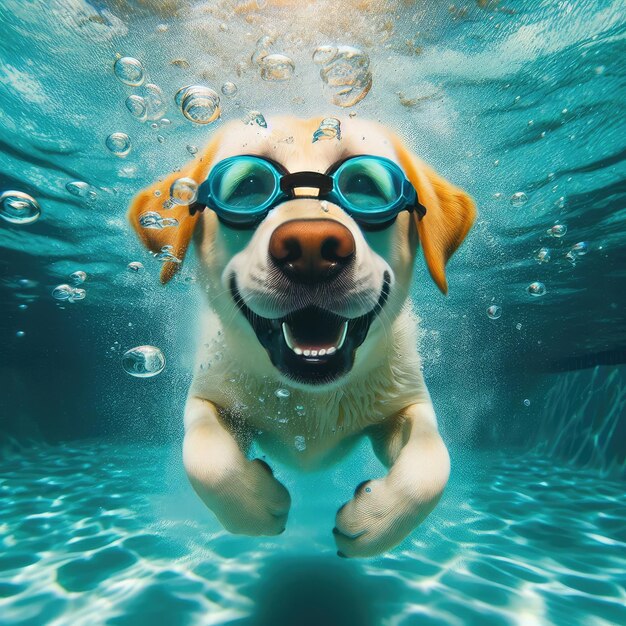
[243,189]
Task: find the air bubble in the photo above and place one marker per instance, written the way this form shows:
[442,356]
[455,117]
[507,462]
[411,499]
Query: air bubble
[199,104]
[155,102]
[543,255]
[300,443]
[17,207]
[78,277]
[494,312]
[129,71]
[276,67]
[580,249]
[20,334]
[324,54]
[154,221]
[536,289]
[329,128]
[135,267]
[192,149]
[118,144]
[79,189]
[346,74]
[282,393]
[143,361]
[557,231]
[167,256]
[526,402]
[137,106]
[255,117]
[67,293]
[229,89]
[184,191]
[519,199]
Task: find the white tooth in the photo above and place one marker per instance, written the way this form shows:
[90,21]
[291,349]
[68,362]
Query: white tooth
[313,352]
[287,336]
[331,350]
[322,352]
[342,338]
[306,352]
[297,351]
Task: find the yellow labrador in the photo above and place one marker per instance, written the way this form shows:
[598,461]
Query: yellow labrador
[309,339]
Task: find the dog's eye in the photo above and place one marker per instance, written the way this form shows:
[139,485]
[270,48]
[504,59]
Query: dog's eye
[367,184]
[246,185]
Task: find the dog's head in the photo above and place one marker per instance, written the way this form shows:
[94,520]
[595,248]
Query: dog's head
[308,284]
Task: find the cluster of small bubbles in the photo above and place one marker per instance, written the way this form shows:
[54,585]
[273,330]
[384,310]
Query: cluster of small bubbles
[80,189]
[78,277]
[184,191]
[67,293]
[129,71]
[143,361]
[519,199]
[192,149]
[526,402]
[345,71]
[276,67]
[543,255]
[154,221]
[282,393]
[118,144]
[169,204]
[300,410]
[199,104]
[255,117]
[229,89]
[166,255]
[135,267]
[494,312]
[557,231]
[300,443]
[137,106]
[329,128]
[20,334]
[17,207]
[536,289]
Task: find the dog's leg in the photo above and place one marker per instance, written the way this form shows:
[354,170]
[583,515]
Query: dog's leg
[384,511]
[243,494]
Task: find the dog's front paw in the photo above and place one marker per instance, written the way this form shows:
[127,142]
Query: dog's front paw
[384,511]
[248,500]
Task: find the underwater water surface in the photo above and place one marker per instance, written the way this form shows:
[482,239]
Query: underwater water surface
[519,103]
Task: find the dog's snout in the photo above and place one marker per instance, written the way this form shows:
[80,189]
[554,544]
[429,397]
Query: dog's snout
[309,251]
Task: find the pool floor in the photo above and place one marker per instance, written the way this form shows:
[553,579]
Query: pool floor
[103,533]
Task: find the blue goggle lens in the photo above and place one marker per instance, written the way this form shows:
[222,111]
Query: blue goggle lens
[244,184]
[368,183]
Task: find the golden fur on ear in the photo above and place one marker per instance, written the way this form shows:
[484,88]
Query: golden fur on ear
[153,198]
[450,213]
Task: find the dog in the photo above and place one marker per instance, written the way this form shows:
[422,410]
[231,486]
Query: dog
[310,341]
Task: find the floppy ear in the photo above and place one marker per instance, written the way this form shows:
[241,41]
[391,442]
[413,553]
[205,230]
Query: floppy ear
[153,199]
[450,213]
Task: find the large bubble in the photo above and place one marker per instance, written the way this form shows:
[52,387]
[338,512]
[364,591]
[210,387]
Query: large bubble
[129,71]
[143,361]
[276,67]
[119,144]
[329,128]
[345,73]
[18,207]
[184,191]
[154,221]
[199,104]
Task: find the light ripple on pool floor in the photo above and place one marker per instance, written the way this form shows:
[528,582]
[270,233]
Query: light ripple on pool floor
[95,533]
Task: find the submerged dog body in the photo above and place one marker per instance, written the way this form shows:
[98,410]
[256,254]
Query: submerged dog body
[310,342]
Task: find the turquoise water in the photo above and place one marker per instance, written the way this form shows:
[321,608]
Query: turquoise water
[98,524]
[95,532]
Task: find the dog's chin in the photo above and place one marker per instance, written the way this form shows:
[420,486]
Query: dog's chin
[311,346]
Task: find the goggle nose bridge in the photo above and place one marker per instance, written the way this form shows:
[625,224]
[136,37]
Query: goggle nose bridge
[290,182]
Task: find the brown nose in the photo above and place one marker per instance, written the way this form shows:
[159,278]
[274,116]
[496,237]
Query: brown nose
[310,251]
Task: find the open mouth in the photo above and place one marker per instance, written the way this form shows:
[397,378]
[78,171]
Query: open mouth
[312,345]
